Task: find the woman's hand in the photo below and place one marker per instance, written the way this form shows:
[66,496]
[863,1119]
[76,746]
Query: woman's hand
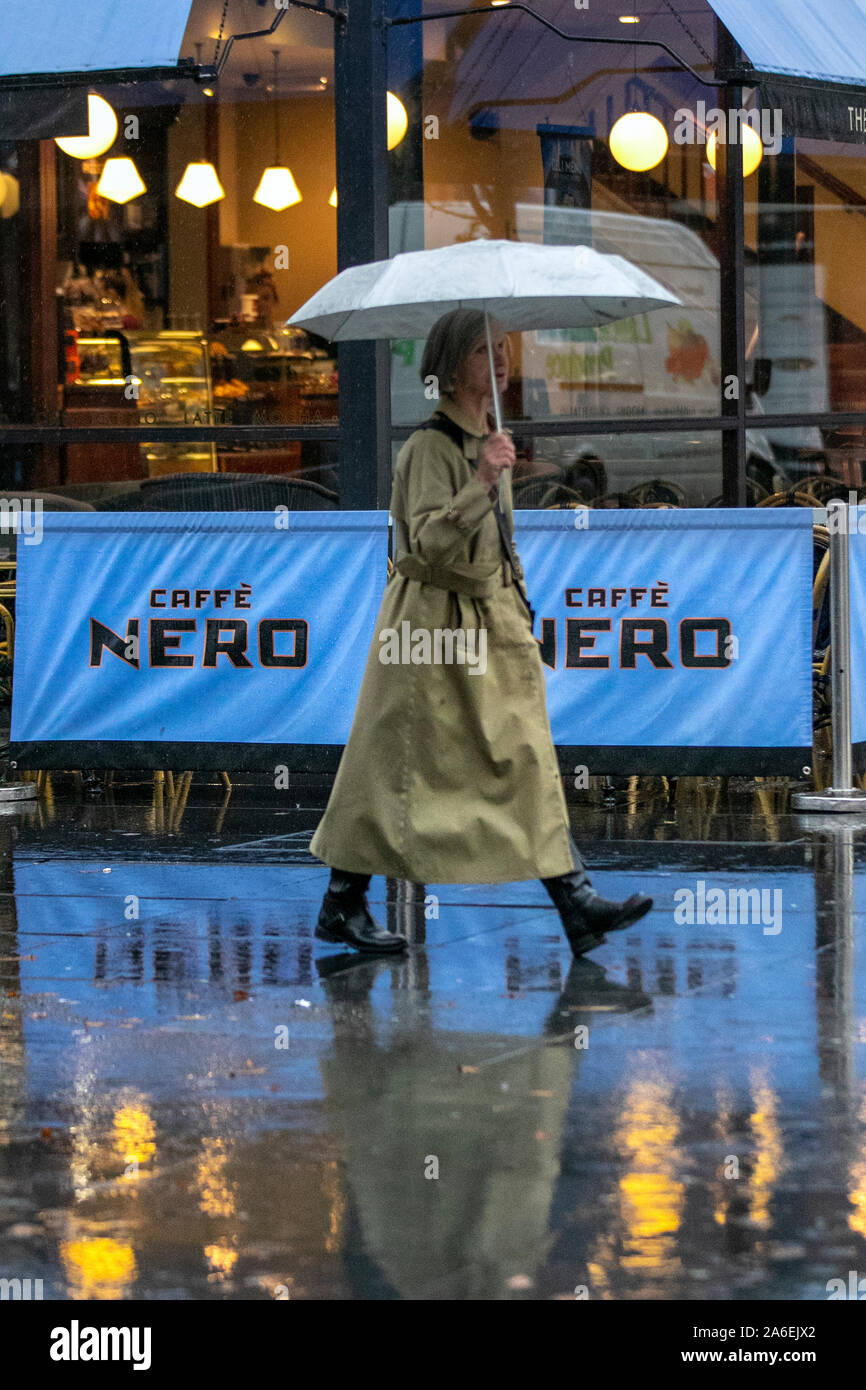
[496,453]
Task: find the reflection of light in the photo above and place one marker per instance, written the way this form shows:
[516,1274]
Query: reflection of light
[98,1267]
[251,345]
[398,121]
[333,198]
[200,184]
[222,1258]
[11,196]
[277,189]
[769,1160]
[102,131]
[216,1197]
[857,1195]
[333,1194]
[133,1138]
[638,141]
[724,1110]
[651,1197]
[120,181]
[753,150]
[628,18]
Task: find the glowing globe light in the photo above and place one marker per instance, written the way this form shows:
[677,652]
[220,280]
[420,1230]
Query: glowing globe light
[753,150]
[277,189]
[120,181]
[101,135]
[398,121]
[200,185]
[638,141]
[11,196]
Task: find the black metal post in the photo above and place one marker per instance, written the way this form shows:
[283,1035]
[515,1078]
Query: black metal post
[732,302]
[360,82]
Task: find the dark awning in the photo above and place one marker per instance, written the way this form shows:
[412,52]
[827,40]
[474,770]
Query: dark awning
[809,62]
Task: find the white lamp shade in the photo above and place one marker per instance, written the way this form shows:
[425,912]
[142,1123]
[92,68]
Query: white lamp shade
[277,189]
[638,141]
[200,184]
[753,150]
[102,132]
[120,181]
[398,121]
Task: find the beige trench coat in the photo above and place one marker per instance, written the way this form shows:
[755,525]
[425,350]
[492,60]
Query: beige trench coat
[449,774]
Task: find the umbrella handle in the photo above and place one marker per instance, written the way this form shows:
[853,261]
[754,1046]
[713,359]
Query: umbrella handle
[497,409]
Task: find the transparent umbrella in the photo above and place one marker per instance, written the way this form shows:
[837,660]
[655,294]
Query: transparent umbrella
[519,284]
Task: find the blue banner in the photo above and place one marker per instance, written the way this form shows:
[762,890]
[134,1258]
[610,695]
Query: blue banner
[143,632]
[687,632]
[675,641]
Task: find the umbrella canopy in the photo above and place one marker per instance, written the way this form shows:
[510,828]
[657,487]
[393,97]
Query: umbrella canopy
[520,284]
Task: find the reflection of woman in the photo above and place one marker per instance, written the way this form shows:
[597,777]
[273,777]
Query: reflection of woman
[449,774]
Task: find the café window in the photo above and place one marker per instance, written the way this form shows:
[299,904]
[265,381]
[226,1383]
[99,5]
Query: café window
[166,252]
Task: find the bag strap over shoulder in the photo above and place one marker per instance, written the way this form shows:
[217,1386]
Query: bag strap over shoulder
[445,425]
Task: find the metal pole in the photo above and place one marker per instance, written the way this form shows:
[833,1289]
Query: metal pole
[840,639]
[497,409]
[841,796]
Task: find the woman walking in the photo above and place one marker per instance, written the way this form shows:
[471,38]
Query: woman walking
[449,774]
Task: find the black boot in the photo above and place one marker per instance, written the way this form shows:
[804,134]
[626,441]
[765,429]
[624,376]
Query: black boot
[585,916]
[345,918]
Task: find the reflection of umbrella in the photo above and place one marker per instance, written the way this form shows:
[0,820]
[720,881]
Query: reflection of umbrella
[519,284]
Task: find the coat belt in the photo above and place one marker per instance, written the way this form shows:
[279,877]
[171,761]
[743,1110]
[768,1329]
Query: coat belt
[475,586]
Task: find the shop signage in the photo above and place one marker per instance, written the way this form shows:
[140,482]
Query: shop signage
[674,641]
[209,640]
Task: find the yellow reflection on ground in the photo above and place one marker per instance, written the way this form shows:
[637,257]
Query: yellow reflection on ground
[98,1267]
[336,1202]
[769,1155]
[222,1258]
[216,1194]
[857,1192]
[133,1138]
[651,1195]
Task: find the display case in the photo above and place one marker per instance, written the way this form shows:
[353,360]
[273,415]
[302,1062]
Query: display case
[164,378]
[173,376]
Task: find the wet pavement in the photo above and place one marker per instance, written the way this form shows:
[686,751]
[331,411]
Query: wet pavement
[197,1100]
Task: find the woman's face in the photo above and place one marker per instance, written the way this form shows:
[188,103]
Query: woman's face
[474,373]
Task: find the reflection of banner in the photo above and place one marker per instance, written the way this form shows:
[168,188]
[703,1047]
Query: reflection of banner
[677,641]
[566,154]
[202,640]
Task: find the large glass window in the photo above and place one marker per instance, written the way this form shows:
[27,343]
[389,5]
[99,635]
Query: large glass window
[512,129]
[166,262]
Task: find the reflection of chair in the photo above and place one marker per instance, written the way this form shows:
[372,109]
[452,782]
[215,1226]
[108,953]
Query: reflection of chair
[826,490]
[233,492]
[615,499]
[7,633]
[560,496]
[529,492]
[755,495]
[586,476]
[795,498]
[658,490]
